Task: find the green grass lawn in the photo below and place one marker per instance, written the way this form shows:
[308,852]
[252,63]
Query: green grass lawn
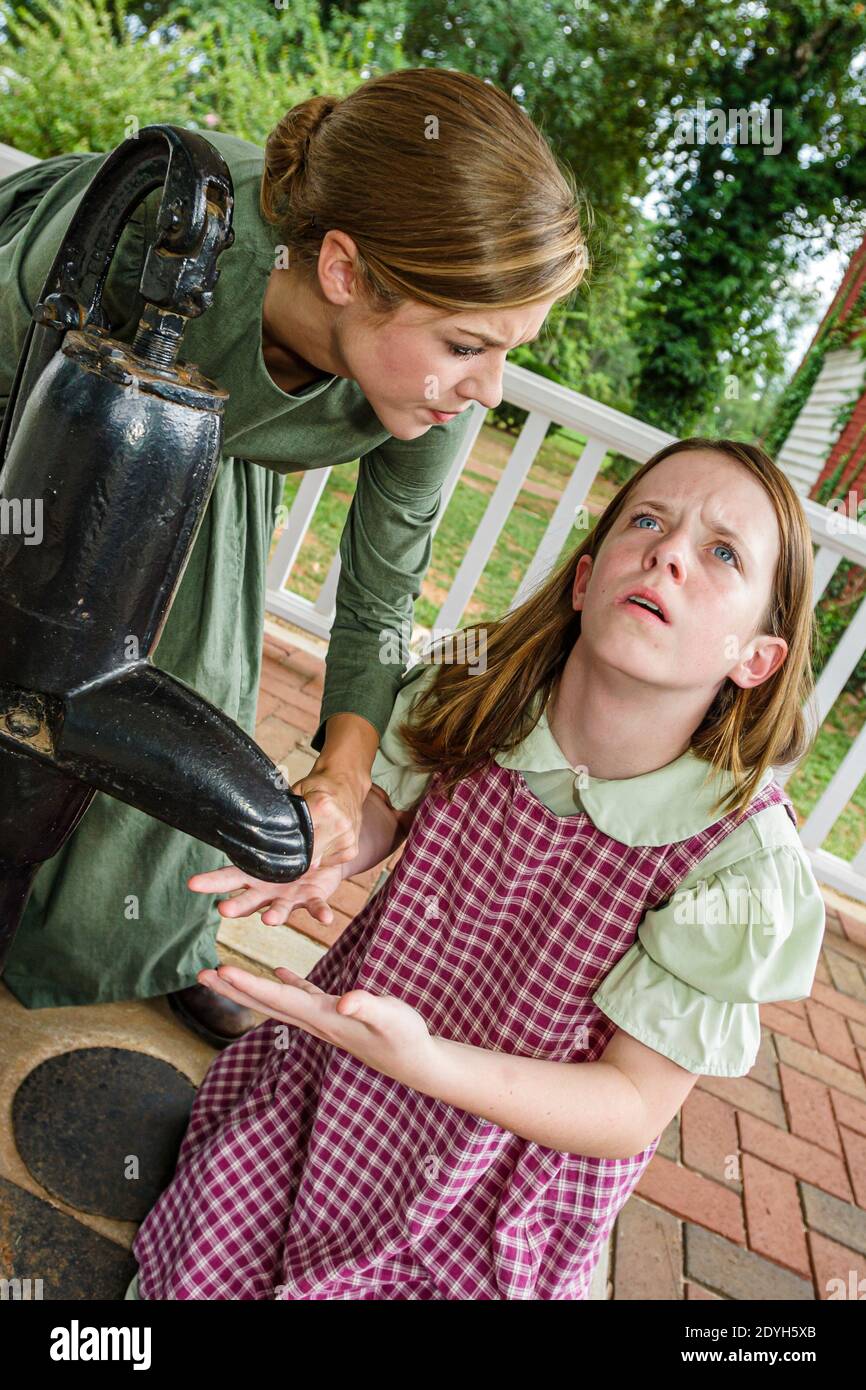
[514,550]
[835,737]
[511,556]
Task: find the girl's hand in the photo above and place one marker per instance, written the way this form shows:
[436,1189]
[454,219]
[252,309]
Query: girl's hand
[312,891]
[378,1029]
[336,804]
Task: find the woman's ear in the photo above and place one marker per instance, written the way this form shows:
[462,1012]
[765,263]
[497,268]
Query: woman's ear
[582,571]
[336,268]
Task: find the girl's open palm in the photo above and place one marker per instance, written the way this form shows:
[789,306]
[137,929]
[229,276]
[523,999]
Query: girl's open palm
[311,891]
[378,1029]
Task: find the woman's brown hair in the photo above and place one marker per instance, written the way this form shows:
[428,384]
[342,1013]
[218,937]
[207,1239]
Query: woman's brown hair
[463,718]
[449,191]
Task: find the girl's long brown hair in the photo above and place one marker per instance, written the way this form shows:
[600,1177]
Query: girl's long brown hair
[450,192]
[463,718]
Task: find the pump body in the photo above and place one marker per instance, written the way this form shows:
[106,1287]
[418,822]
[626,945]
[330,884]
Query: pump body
[114,449]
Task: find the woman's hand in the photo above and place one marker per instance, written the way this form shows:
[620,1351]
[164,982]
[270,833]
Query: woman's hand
[312,891]
[336,804]
[378,1029]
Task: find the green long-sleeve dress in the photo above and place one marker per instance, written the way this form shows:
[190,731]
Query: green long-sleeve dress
[110,917]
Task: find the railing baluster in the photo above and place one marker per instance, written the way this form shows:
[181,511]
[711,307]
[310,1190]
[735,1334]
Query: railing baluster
[305,503]
[562,522]
[841,663]
[825,565]
[835,797]
[495,516]
[327,599]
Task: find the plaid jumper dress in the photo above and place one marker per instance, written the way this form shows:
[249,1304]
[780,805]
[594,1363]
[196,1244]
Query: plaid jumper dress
[304,1174]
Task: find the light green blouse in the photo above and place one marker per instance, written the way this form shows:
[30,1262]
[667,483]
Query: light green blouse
[743,928]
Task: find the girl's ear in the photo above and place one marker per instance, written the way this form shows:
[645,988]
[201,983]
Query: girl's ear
[767,655]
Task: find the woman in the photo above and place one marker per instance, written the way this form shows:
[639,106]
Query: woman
[378,242]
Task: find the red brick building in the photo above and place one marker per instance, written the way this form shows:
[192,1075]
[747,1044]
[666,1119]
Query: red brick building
[818,434]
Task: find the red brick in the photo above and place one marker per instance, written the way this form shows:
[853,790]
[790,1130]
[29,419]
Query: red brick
[318,931]
[831,1033]
[791,1006]
[781,1021]
[709,1136]
[280,682]
[275,738]
[819,1065]
[795,1155]
[774,1220]
[852,951]
[648,1254]
[848,1111]
[271,650]
[284,650]
[822,975]
[299,715]
[846,974]
[304,663]
[810,1112]
[834,1262]
[746,1094]
[832,922]
[267,704]
[765,1069]
[696,1198]
[737,1272]
[854,929]
[855,1153]
[349,898]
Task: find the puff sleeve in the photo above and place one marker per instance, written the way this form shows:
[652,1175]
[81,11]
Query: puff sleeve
[393,769]
[691,985]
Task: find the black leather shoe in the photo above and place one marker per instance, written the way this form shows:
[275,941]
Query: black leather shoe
[213,1017]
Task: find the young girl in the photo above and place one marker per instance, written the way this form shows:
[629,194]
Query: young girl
[601,882]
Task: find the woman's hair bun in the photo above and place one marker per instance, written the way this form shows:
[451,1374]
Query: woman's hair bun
[449,193]
[287,146]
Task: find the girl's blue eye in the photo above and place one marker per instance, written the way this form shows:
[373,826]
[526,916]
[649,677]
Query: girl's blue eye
[638,516]
[459,350]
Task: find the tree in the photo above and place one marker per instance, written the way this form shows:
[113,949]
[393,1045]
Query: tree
[735,219]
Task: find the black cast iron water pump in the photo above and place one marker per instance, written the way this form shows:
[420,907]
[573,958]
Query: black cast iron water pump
[120,445]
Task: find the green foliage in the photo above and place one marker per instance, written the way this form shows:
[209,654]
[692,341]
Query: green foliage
[676,305]
[736,220]
[86,74]
[70,82]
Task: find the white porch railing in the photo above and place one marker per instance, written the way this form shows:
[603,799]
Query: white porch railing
[604,429]
[834,536]
[11,160]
